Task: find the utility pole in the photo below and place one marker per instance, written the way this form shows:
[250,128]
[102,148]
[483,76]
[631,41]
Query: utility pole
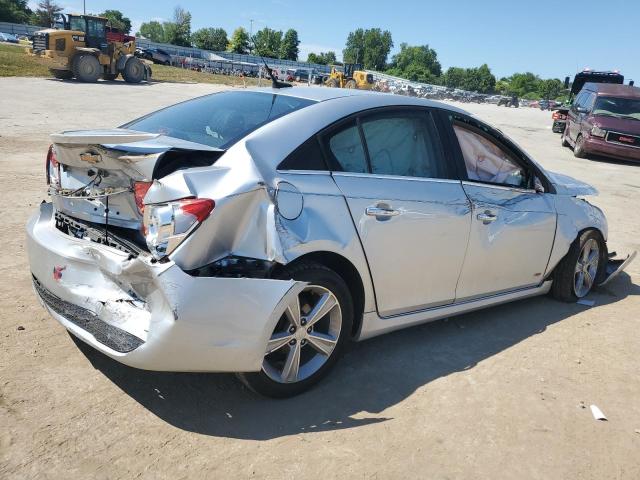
[84,7]
[251,35]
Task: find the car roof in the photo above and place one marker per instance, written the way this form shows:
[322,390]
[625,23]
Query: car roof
[608,89]
[323,94]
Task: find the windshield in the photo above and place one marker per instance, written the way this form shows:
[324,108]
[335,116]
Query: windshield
[77,24]
[218,120]
[618,107]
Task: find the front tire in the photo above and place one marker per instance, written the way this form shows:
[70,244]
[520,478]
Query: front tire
[87,68]
[578,149]
[581,269]
[133,71]
[309,337]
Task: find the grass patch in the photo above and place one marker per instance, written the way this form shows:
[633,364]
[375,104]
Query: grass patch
[14,62]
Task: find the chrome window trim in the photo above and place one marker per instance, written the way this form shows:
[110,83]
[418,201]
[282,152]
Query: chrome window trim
[498,186]
[303,172]
[394,177]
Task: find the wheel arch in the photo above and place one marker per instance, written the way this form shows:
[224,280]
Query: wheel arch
[349,273]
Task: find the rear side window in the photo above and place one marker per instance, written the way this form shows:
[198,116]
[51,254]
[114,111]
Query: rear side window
[345,150]
[307,156]
[219,120]
[404,144]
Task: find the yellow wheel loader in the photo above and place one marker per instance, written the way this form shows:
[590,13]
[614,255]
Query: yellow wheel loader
[351,76]
[84,47]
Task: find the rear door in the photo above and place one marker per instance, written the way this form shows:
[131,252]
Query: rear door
[513,223]
[407,205]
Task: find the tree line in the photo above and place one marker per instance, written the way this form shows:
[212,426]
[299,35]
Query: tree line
[368,47]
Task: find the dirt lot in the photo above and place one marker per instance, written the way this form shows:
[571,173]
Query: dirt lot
[493,394]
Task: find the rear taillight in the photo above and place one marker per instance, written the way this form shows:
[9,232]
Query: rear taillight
[140,189]
[558,116]
[167,225]
[52,168]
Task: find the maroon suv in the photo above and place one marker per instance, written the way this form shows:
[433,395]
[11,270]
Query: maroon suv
[605,120]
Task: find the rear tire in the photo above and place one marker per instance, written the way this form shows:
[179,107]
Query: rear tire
[133,71]
[578,148]
[87,68]
[564,139]
[578,273]
[62,74]
[327,333]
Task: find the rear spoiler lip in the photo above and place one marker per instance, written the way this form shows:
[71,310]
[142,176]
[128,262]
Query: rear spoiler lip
[88,137]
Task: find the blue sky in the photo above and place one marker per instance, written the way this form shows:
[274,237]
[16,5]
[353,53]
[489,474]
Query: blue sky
[552,38]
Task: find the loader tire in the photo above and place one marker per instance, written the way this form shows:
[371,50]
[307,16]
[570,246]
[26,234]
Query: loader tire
[333,83]
[87,68]
[351,84]
[133,71]
[62,74]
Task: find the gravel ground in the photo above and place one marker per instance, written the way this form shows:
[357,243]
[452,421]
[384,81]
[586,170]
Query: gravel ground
[499,393]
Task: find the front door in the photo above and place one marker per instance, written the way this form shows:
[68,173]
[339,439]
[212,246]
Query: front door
[512,225]
[412,216]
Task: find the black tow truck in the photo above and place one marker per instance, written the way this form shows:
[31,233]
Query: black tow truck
[559,115]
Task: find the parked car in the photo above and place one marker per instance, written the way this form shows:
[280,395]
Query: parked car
[156,55]
[605,120]
[8,37]
[260,231]
[302,74]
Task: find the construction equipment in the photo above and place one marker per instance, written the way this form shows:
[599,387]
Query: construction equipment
[86,48]
[351,76]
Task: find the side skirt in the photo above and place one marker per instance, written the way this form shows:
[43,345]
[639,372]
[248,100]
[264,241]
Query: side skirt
[373,324]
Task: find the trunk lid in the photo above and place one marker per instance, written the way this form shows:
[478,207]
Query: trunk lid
[99,168]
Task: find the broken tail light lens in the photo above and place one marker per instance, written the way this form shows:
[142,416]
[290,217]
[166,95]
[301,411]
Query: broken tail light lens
[140,189]
[52,168]
[167,225]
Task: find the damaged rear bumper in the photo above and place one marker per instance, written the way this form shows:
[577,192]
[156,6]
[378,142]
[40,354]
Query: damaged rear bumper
[152,315]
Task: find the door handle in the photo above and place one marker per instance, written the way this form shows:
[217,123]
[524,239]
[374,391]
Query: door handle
[487,217]
[381,212]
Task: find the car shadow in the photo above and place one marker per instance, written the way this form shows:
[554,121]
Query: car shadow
[103,82]
[372,376]
[615,161]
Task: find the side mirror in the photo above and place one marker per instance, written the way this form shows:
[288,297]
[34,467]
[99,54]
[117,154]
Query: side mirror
[582,109]
[631,83]
[537,185]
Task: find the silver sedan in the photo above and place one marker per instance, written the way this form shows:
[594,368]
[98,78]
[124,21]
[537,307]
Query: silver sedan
[259,231]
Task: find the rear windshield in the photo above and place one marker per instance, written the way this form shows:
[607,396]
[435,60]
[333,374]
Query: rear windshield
[218,120]
[618,107]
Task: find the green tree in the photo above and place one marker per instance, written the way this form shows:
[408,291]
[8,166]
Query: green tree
[370,47]
[502,86]
[14,11]
[46,12]
[521,84]
[322,58]
[479,79]
[454,77]
[118,20]
[416,63]
[178,32]
[268,42]
[152,30]
[240,41]
[551,88]
[289,45]
[210,39]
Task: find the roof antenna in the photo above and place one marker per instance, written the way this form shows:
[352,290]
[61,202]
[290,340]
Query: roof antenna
[275,83]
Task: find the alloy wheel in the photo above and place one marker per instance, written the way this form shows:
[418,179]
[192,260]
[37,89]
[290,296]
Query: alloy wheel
[586,268]
[305,337]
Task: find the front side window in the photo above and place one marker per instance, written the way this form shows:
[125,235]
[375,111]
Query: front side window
[77,24]
[219,120]
[346,151]
[404,145]
[485,161]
